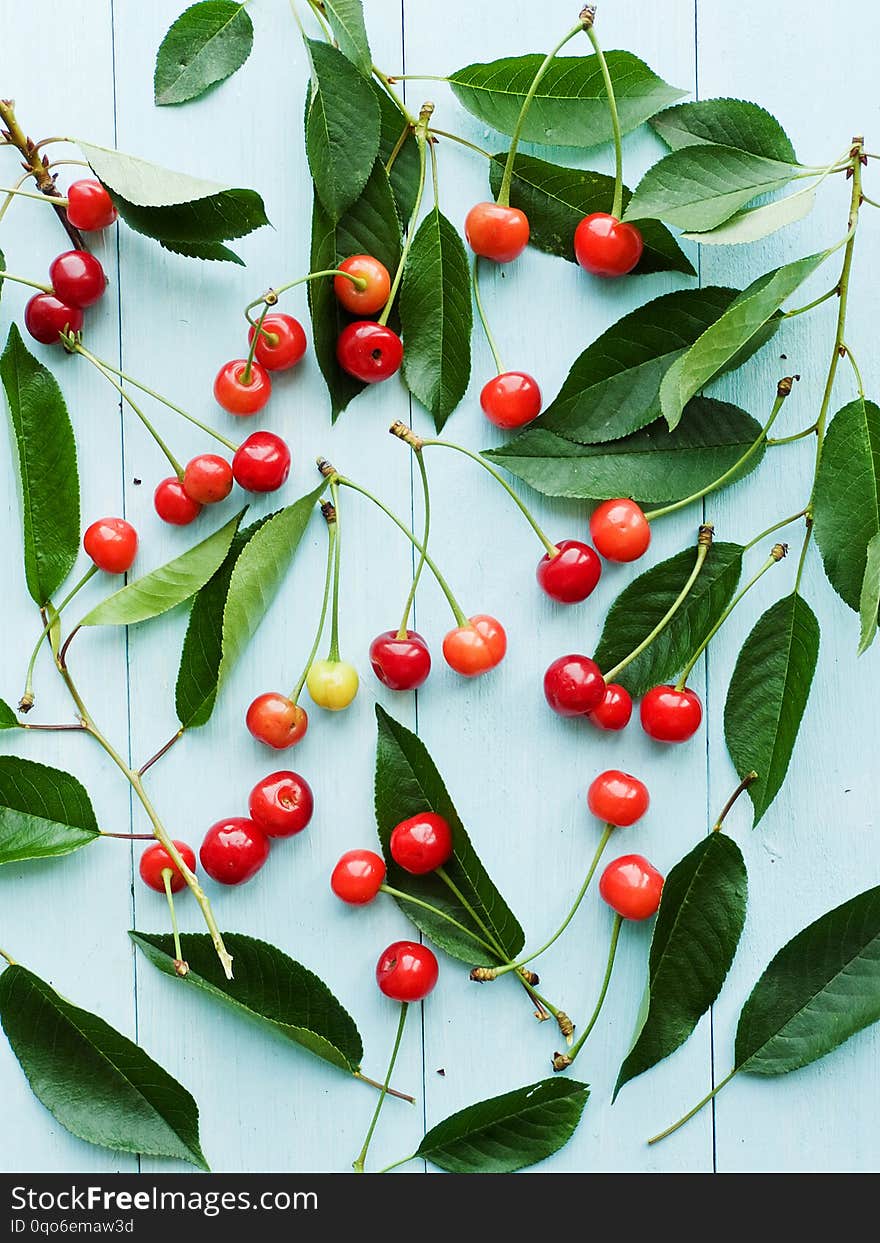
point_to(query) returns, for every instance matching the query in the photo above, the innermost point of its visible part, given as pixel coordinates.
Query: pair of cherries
(630, 885)
(261, 463)
(274, 719)
(574, 686)
(367, 350)
(403, 662)
(603, 245)
(243, 386)
(420, 844)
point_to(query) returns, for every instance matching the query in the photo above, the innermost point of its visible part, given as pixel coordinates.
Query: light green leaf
(8, 719)
(342, 129)
(205, 45)
(846, 504)
(44, 811)
(870, 601)
(758, 222)
(728, 123)
(346, 18)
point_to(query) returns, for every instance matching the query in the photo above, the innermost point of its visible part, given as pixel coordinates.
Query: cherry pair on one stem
(235, 849)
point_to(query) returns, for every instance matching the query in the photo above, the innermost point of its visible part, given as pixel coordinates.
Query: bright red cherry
(77, 278)
(572, 574)
(46, 317)
(407, 971)
(573, 685)
(422, 843)
(477, 647)
(632, 886)
(155, 860)
(173, 505)
(112, 543)
(615, 710)
(239, 396)
(496, 232)
(605, 246)
(671, 715)
(234, 850)
(207, 479)
(401, 664)
(89, 206)
(363, 301)
(618, 798)
(620, 530)
(276, 720)
(357, 877)
(284, 345)
(511, 399)
(369, 351)
(261, 463)
(281, 804)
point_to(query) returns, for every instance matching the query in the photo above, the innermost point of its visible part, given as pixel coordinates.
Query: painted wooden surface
(518, 774)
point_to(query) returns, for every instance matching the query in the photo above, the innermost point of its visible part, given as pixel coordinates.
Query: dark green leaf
(210, 251)
(699, 924)
(408, 782)
(43, 811)
(2, 269)
(346, 18)
(206, 44)
(768, 694)
(404, 173)
(46, 456)
(870, 601)
(269, 987)
(642, 605)
(96, 1082)
(846, 505)
(8, 719)
(342, 129)
(728, 123)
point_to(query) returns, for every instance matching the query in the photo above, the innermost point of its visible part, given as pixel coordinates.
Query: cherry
(46, 317)
(477, 647)
(276, 720)
(234, 850)
(238, 396)
(261, 463)
(281, 804)
(363, 301)
(605, 246)
(77, 278)
(632, 887)
(173, 505)
(155, 860)
(615, 710)
(511, 399)
(207, 479)
(618, 798)
(112, 544)
(422, 843)
(284, 347)
(671, 715)
(357, 876)
(369, 351)
(407, 971)
(496, 232)
(573, 685)
(400, 664)
(89, 206)
(332, 684)
(572, 574)
(620, 530)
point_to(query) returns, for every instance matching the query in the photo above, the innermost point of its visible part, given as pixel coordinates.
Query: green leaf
(508, 1132)
(342, 129)
(270, 987)
(642, 605)
(768, 694)
(556, 199)
(870, 601)
(435, 314)
(8, 719)
(346, 18)
(2, 269)
(163, 589)
(654, 464)
(96, 1082)
(209, 251)
(570, 108)
(46, 456)
(207, 43)
(846, 504)
(758, 222)
(728, 123)
(408, 782)
(820, 989)
(699, 924)
(405, 170)
(44, 812)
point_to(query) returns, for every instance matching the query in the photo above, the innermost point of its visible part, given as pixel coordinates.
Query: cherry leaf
(758, 222)
(846, 505)
(342, 129)
(204, 46)
(346, 18)
(8, 719)
(728, 123)
(44, 812)
(870, 598)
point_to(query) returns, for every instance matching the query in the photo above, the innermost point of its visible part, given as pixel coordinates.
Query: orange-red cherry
(277, 721)
(671, 715)
(239, 394)
(632, 887)
(618, 798)
(207, 479)
(422, 843)
(477, 647)
(620, 530)
(282, 342)
(511, 399)
(358, 876)
(496, 232)
(605, 246)
(373, 296)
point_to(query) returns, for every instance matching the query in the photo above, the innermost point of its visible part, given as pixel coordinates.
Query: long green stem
(481, 923)
(172, 460)
(789, 440)
(462, 142)
(481, 311)
(692, 1112)
(393, 95)
(6, 957)
(810, 306)
(435, 910)
(617, 202)
(271, 296)
(426, 532)
(337, 568)
(374, 1083)
(252, 349)
(328, 578)
(23, 280)
(360, 1160)
(167, 874)
(777, 526)
(568, 1058)
(28, 696)
(422, 141)
(34, 194)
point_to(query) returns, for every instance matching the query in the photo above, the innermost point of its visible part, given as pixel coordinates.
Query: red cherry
(207, 479)
(511, 399)
(573, 685)
(400, 664)
(276, 720)
(285, 345)
(477, 647)
(370, 352)
(234, 850)
(620, 530)
(261, 463)
(422, 843)
(77, 278)
(407, 971)
(363, 301)
(173, 505)
(281, 804)
(237, 396)
(89, 206)
(155, 860)
(618, 798)
(615, 710)
(496, 232)
(632, 887)
(572, 574)
(357, 877)
(605, 246)
(46, 317)
(671, 715)
(112, 544)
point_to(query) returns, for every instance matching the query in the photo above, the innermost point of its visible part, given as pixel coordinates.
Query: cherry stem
(22, 280)
(337, 567)
(655, 1139)
(172, 460)
(740, 789)
(777, 526)
(398, 147)
(475, 280)
(247, 374)
(481, 924)
(421, 128)
(374, 1083)
(7, 958)
(330, 516)
(271, 296)
(393, 95)
(617, 202)
(603, 991)
(34, 194)
(802, 310)
(788, 440)
(358, 1163)
(462, 142)
(426, 531)
(28, 696)
(167, 874)
(163, 750)
(35, 167)
(435, 910)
